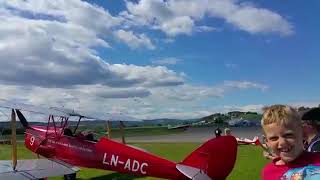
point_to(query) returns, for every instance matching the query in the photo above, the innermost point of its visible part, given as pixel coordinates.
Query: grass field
(248, 165)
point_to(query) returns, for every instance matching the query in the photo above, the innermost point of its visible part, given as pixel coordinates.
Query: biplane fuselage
(104, 154)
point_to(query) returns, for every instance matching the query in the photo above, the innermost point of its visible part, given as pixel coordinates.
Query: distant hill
(221, 118)
(166, 121)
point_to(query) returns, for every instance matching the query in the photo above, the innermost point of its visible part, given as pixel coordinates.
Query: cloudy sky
(160, 58)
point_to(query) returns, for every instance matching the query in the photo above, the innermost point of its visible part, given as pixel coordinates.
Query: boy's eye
(273, 138)
(288, 135)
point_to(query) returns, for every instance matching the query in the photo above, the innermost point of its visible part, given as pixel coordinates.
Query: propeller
(13, 140)
(22, 119)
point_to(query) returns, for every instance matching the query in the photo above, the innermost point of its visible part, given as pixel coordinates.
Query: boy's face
(307, 129)
(284, 140)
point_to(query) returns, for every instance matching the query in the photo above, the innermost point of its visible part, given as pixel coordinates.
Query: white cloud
(51, 53)
(309, 104)
(181, 114)
(175, 17)
(48, 57)
(166, 61)
(255, 20)
(92, 18)
(74, 11)
(245, 85)
(205, 29)
(108, 92)
(133, 40)
(245, 108)
(193, 93)
(185, 101)
(189, 93)
(177, 25)
(247, 17)
(147, 76)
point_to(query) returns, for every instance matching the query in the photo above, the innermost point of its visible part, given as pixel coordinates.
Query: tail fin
(256, 141)
(215, 158)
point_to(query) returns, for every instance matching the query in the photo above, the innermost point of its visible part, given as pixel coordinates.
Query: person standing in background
(218, 132)
(227, 132)
(310, 127)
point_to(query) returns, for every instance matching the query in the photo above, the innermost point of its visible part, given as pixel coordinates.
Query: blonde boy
(283, 132)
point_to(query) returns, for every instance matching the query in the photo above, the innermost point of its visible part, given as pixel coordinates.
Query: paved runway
(197, 135)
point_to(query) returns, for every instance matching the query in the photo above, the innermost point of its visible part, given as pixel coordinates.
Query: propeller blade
(22, 119)
(13, 140)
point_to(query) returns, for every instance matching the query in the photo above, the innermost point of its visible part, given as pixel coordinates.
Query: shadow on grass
(114, 176)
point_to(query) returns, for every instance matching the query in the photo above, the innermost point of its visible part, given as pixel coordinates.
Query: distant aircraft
(241, 123)
(254, 141)
(213, 160)
(181, 126)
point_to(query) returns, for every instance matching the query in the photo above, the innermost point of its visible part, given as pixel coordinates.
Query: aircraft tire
(70, 176)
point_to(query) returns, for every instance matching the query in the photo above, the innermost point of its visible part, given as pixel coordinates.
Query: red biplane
(212, 160)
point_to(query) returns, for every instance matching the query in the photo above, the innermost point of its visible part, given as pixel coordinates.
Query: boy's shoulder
(273, 171)
(307, 158)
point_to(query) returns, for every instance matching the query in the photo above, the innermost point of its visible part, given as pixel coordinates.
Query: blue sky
(155, 59)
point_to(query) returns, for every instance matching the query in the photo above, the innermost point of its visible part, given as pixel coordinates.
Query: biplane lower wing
(35, 169)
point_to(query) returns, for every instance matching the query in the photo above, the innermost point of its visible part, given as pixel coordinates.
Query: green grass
(8, 136)
(248, 165)
(23, 153)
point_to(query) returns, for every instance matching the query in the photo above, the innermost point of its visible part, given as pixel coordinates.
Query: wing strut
(75, 129)
(122, 132)
(109, 129)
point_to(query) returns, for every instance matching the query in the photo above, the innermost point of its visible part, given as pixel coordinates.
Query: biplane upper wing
(65, 112)
(35, 169)
(102, 117)
(31, 108)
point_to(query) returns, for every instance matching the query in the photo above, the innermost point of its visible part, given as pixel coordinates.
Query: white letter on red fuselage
(143, 171)
(114, 160)
(127, 165)
(104, 159)
(135, 166)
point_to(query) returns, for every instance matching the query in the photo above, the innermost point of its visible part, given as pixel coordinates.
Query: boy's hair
(280, 114)
(311, 117)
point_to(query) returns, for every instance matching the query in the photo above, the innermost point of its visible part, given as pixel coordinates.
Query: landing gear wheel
(70, 176)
